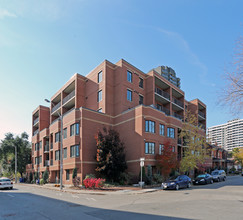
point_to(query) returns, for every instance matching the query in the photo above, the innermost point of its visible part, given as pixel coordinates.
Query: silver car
(218, 175)
(6, 183)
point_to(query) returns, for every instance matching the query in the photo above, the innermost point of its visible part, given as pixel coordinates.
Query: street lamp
(61, 159)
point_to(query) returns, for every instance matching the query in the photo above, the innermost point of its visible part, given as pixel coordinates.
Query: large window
(161, 130)
(65, 153)
(74, 151)
(149, 148)
(140, 82)
(40, 145)
(57, 137)
(40, 159)
(171, 132)
(140, 99)
(57, 155)
(161, 149)
(99, 76)
(74, 129)
(64, 133)
(150, 126)
(36, 146)
(99, 96)
(129, 76)
(129, 95)
(67, 174)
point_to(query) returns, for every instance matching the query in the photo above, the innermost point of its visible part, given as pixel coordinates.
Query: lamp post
(61, 156)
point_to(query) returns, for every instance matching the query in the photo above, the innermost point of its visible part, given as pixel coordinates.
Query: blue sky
(43, 43)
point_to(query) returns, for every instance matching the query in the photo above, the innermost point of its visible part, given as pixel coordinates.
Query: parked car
(6, 183)
(242, 173)
(203, 179)
(218, 175)
(178, 182)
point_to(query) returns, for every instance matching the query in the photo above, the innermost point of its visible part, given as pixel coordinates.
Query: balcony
(162, 93)
(179, 141)
(178, 116)
(68, 97)
(36, 121)
(57, 106)
(47, 163)
(51, 146)
(202, 126)
(201, 114)
(163, 109)
(36, 132)
(46, 148)
(51, 162)
(178, 102)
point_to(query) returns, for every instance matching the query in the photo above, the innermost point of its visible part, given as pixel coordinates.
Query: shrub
(45, 176)
(42, 182)
(93, 183)
(75, 171)
(88, 176)
(158, 178)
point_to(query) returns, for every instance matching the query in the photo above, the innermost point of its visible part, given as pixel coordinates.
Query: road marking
(91, 199)
(75, 196)
(10, 195)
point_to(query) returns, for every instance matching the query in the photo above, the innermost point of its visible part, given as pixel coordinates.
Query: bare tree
(232, 93)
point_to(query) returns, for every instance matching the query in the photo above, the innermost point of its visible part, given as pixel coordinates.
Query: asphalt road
(222, 200)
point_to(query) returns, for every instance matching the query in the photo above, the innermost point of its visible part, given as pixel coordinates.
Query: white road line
(91, 199)
(75, 196)
(10, 195)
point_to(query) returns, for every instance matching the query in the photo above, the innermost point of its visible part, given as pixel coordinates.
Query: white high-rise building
(228, 135)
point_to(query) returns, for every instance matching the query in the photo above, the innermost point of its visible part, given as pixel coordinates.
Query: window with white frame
(74, 129)
(149, 126)
(149, 147)
(129, 95)
(74, 151)
(161, 149)
(99, 96)
(129, 76)
(99, 76)
(161, 130)
(171, 132)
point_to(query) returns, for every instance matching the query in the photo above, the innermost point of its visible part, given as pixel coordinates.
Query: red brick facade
(153, 98)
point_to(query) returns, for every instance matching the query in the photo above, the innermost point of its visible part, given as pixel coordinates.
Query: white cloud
(5, 13)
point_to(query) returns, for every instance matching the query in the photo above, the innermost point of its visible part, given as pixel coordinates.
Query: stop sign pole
(142, 159)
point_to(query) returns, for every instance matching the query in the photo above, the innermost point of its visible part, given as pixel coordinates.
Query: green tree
(238, 155)
(110, 157)
(45, 176)
(7, 158)
(195, 150)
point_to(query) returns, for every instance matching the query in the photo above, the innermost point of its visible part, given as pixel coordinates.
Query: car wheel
(177, 187)
(224, 178)
(218, 180)
(211, 181)
(189, 185)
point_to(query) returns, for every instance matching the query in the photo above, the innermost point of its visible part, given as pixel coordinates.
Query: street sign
(142, 159)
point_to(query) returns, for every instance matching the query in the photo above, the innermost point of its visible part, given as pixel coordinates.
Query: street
(223, 200)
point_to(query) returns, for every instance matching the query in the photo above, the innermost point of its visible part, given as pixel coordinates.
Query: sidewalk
(120, 190)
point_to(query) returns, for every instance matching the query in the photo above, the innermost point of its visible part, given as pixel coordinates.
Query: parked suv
(218, 175)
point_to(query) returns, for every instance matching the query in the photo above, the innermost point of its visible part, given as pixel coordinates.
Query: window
(57, 137)
(140, 99)
(171, 132)
(74, 129)
(67, 174)
(173, 149)
(74, 151)
(99, 96)
(161, 130)
(40, 145)
(36, 146)
(57, 155)
(149, 148)
(99, 76)
(161, 149)
(64, 133)
(36, 160)
(65, 153)
(129, 95)
(100, 110)
(140, 82)
(40, 159)
(150, 126)
(129, 76)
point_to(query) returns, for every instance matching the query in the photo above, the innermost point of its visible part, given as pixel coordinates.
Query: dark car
(203, 179)
(178, 182)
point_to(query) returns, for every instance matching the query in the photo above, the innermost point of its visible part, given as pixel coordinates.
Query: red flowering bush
(93, 183)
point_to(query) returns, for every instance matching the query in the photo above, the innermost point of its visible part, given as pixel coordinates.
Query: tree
(45, 176)
(232, 93)
(8, 152)
(110, 156)
(167, 161)
(195, 151)
(238, 155)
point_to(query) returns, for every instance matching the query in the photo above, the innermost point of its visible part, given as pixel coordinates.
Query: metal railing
(57, 106)
(178, 102)
(35, 121)
(201, 114)
(51, 162)
(163, 109)
(36, 132)
(69, 96)
(177, 116)
(162, 93)
(202, 126)
(46, 148)
(179, 141)
(51, 146)
(47, 163)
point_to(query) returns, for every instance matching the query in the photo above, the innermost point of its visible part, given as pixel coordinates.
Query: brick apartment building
(146, 109)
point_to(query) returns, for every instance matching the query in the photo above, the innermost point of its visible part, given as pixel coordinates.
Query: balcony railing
(46, 148)
(51, 146)
(202, 126)
(57, 106)
(177, 116)
(179, 141)
(178, 102)
(163, 109)
(162, 93)
(51, 162)
(69, 96)
(201, 114)
(47, 163)
(35, 121)
(36, 132)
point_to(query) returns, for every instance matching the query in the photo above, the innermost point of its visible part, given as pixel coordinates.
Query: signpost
(142, 159)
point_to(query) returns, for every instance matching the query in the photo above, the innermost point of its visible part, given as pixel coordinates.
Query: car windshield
(201, 176)
(174, 178)
(215, 173)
